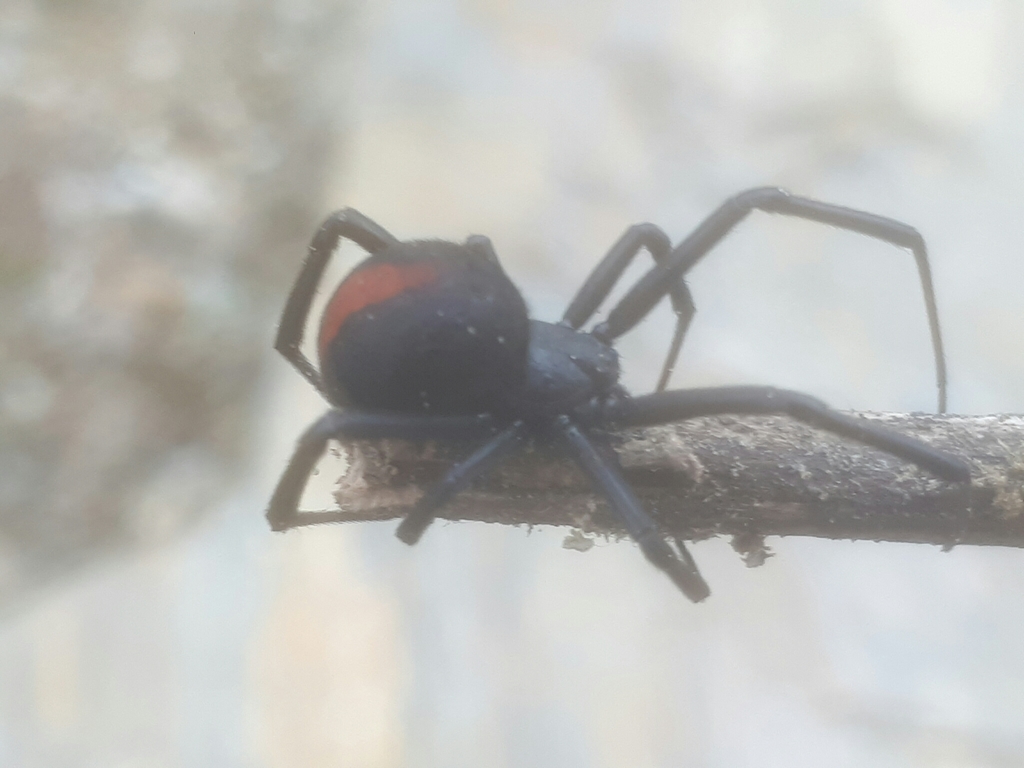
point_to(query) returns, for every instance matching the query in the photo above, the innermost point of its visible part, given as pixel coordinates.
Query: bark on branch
(746, 477)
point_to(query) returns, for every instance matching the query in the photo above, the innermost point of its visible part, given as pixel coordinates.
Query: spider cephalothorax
(430, 340)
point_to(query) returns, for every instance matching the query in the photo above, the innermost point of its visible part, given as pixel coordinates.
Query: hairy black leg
(630, 512)
(283, 512)
(344, 223)
(458, 477)
(678, 405)
(664, 276)
(598, 285)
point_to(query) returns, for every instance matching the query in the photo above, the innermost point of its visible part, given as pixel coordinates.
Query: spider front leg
(665, 275)
(630, 512)
(606, 274)
(344, 223)
(682, 404)
(482, 460)
(283, 512)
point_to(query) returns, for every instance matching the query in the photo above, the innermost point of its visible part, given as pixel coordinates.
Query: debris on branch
(745, 477)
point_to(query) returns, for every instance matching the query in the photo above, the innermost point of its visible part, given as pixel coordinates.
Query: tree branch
(746, 477)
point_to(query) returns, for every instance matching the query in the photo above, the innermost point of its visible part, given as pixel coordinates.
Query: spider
(430, 340)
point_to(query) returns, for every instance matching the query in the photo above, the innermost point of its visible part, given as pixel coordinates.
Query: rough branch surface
(746, 477)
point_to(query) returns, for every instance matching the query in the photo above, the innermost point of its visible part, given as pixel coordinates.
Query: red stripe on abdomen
(366, 287)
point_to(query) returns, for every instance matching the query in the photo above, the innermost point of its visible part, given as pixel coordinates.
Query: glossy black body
(455, 357)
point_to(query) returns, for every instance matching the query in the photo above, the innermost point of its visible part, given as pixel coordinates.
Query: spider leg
(664, 276)
(598, 285)
(685, 310)
(602, 279)
(630, 512)
(344, 223)
(681, 404)
(283, 512)
(458, 477)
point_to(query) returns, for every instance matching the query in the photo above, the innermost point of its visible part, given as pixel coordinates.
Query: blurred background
(163, 164)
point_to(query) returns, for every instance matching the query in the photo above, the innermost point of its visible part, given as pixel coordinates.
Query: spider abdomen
(426, 327)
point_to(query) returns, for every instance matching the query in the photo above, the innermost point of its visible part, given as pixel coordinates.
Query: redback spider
(430, 340)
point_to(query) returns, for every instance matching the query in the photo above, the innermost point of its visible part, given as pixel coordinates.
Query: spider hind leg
(346, 223)
(283, 512)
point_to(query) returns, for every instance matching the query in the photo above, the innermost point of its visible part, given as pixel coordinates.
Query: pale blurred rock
(161, 168)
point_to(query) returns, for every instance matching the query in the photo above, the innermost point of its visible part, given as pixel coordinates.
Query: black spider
(430, 340)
